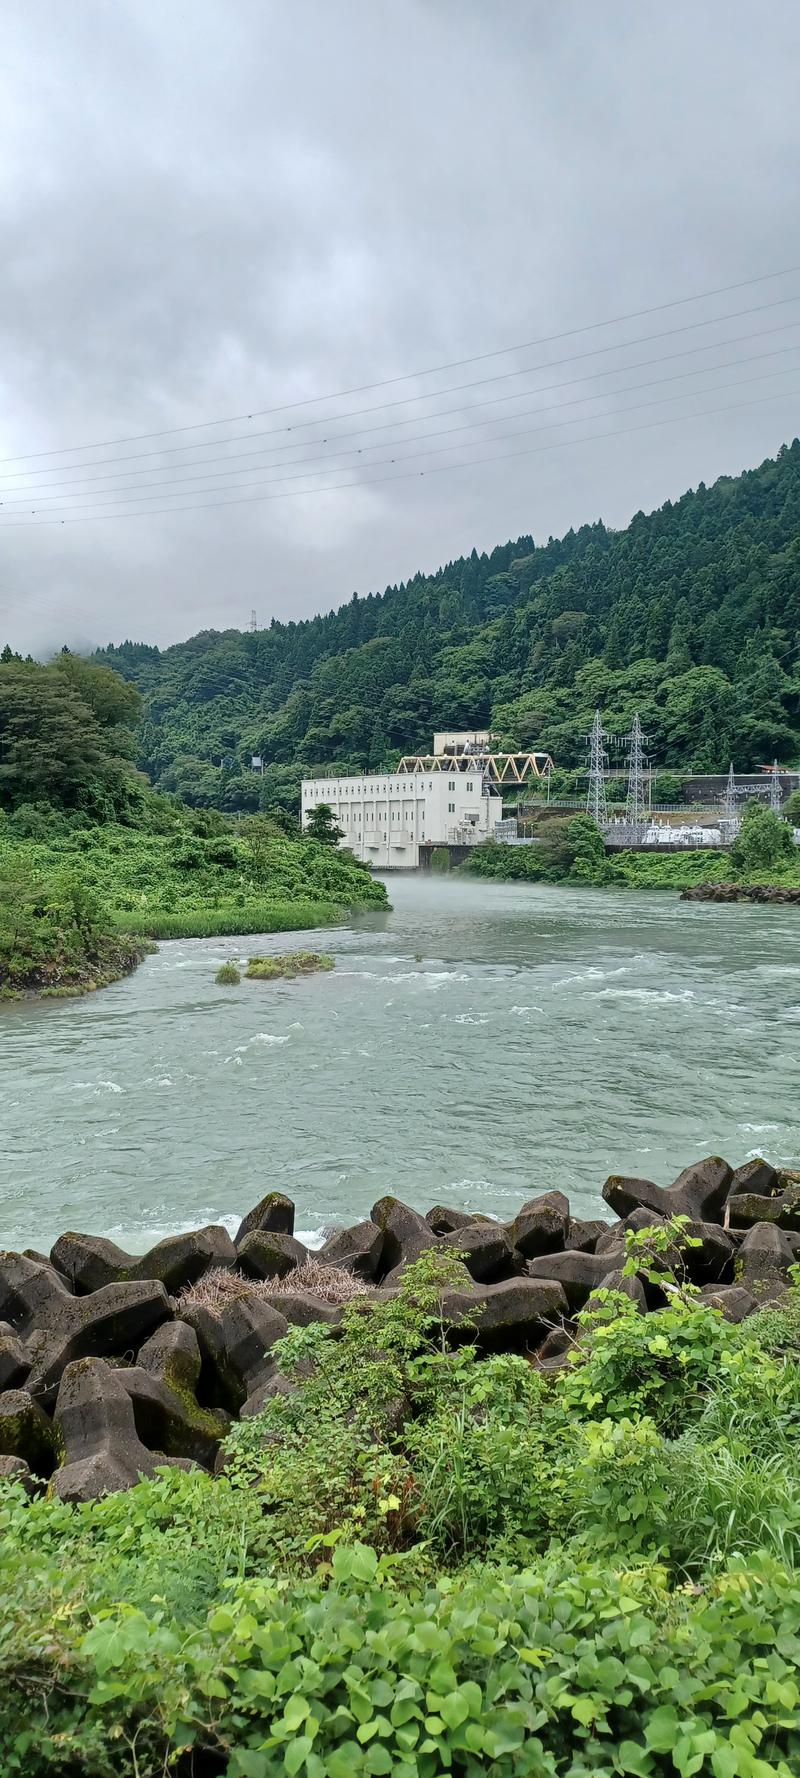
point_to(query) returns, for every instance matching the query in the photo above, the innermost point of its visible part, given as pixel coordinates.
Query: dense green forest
(690, 615)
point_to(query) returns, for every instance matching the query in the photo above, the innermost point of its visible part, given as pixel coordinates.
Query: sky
(235, 207)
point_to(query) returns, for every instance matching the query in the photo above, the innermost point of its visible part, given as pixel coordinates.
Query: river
(480, 1043)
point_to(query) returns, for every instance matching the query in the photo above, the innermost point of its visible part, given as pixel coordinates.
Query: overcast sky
(212, 208)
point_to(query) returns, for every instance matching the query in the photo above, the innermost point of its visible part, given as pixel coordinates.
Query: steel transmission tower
(598, 764)
(729, 799)
(775, 788)
(636, 803)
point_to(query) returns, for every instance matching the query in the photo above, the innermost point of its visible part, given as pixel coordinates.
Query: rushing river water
(482, 1042)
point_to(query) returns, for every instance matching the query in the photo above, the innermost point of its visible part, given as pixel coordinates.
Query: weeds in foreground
(421, 1559)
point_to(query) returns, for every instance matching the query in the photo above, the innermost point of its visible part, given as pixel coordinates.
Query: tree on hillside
(59, 748)
(764, 841)
(114, 702)
(321, 826)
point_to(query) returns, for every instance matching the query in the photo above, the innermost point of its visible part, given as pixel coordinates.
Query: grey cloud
(209, 209)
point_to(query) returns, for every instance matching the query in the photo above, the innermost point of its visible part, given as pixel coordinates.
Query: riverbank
(562, 1531)
(582, 859)
(774, 894)
(80, 909)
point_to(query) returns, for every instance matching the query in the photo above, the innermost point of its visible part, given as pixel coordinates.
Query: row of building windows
(326, 787)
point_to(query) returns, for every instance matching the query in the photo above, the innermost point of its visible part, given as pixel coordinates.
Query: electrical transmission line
(430, 370)
(84, 517)
(80, 486)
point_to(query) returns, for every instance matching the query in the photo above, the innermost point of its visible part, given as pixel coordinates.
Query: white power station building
(386, 816)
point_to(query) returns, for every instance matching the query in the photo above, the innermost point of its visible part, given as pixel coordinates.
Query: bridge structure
(497, 768)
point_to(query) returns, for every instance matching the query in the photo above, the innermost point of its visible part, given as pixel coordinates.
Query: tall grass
(255, 916)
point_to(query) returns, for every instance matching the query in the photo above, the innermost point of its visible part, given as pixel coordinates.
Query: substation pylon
(596, 804)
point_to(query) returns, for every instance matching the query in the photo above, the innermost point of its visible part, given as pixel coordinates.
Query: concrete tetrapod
(88, 1261)
(699, 1192)
(96, 1427)
(58, 1328)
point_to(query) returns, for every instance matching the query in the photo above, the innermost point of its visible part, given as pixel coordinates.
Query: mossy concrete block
(512, 1314)
(14, 1360)
(763, 1262)
(301, 1308)
(172, 1420)
(26, 1431)
(583, 1236)
(235, 1342)
(15, 1469)
(30, 1291)
(757, 1177)
(486, 1250)
(113, 1321)
(406, 1234)
(266, 1253)
(96, 1428)
(578, 1274)
(358, 1250)
(444, 1220)
(699, 1192)
(732, 1300)
(746, 1209)
(541, 1225)
(274, 1212)
(89, 1261)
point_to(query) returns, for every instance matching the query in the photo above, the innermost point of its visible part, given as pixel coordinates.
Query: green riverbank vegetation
(419, 1559)
(570, 849)
(93, 865)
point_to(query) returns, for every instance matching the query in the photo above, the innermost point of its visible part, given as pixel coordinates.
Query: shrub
(228, 975)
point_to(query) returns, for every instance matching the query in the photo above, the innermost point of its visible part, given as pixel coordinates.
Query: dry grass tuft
(332, 1284)
(217, 1287)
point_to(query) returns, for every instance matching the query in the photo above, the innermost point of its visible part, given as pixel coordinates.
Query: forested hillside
(691, 615)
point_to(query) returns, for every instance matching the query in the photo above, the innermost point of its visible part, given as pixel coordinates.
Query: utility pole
(775, 798)
(253, 621)
(636, 803)
(598, 763)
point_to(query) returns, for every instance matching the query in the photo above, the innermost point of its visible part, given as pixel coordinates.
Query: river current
(480, 1043)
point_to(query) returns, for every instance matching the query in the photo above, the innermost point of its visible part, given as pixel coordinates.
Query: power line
(73, 483)
(409, 376)
(529, 370)
(406, 475)
(301, 473)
